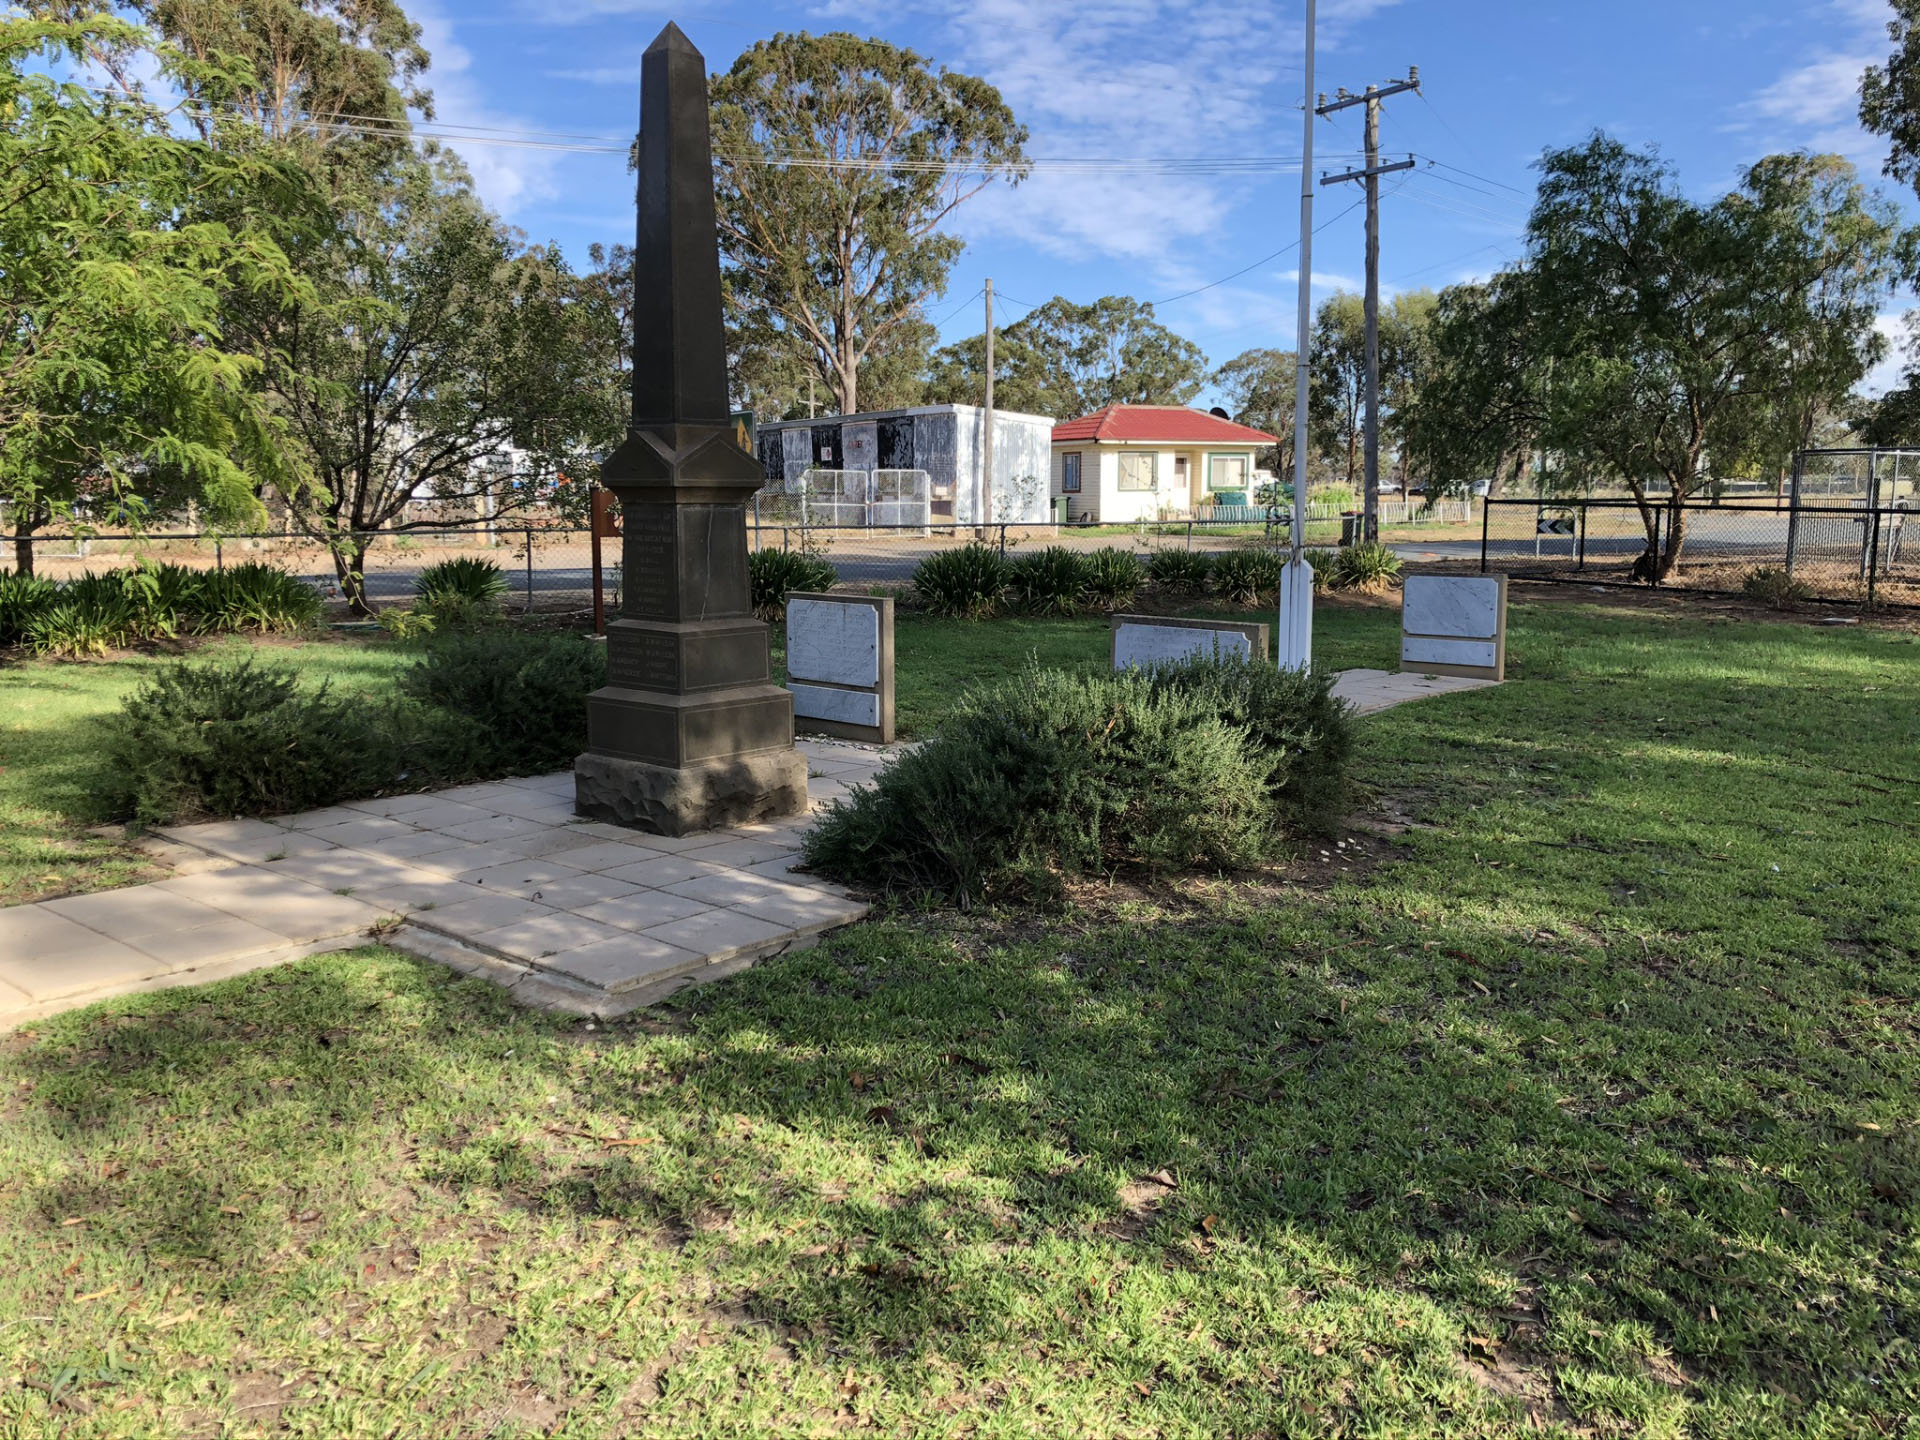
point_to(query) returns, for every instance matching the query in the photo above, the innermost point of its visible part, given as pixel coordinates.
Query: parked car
(1480, 487)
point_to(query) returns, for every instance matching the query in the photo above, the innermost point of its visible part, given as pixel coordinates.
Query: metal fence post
(219, 561)
(1793, 512)
(1189, 534)
(1580, 522)
(1873, 555)
(1486, 514)
(529, 535)
(1003, 539)
(1654, 577)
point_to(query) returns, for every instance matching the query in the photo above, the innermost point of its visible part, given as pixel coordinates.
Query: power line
(1263, 260)
(958, 308)
(1471, 175)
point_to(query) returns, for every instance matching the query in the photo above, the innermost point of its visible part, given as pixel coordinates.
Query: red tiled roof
(1175, 424)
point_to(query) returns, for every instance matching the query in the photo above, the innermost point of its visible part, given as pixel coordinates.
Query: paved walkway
(499, 880)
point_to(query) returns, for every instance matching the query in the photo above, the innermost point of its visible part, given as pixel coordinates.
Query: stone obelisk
(689, 734)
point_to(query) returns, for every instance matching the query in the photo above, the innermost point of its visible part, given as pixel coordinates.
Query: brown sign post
(690, 733)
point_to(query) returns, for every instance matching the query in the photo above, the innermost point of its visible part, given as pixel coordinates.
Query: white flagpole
(1296, 579)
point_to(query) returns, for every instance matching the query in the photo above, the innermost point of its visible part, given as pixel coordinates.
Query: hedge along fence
(975, 581)
(148, 602)
(1212, 764)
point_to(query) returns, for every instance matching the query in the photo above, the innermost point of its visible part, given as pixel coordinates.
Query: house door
(1182, 481)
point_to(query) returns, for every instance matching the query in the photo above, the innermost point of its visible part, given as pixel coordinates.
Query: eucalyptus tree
(1065, 359)
(837, 164)
(1681, 332)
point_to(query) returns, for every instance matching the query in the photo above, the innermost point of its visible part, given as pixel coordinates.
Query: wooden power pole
(1370, 507)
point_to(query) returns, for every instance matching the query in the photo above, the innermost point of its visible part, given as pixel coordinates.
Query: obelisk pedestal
(690, 733)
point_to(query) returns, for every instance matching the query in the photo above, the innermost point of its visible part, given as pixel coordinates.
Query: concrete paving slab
(738, 854)
(546, 935)
(520, 877)
(644, 909)
(473, 917)
(285, 904)
(660, 871)
(620, 966)
(45, 955)
(718, 934)
(464, 855)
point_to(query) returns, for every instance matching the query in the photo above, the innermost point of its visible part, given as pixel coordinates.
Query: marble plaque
(842, 707)
(1462, 605)
(1434, 650)
(1146, 645)
(835, 642)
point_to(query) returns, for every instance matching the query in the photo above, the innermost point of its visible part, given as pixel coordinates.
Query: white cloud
(509, 179)
(1133, 77)
(1815, 105)
(1824, 91)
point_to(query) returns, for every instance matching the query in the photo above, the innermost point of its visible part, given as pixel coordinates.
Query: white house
(1143, 462)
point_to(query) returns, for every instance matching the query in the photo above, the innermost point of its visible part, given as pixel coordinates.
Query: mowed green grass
(1584, 1106)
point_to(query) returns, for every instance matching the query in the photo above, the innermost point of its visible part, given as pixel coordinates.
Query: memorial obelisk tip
(680, 351)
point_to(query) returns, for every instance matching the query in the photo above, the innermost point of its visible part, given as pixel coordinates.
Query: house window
(1070, 473)
(1139, 472)
(1227, 472)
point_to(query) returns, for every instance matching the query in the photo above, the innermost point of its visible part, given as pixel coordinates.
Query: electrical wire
(1263, 260)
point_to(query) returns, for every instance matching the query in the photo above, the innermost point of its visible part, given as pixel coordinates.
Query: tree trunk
(1676, 536)
(23, 550)
(349, 564)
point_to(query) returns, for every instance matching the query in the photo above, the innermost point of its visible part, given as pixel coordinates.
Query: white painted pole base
(1296, 615)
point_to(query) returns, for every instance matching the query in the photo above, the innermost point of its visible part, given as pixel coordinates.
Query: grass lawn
(1585, 1104)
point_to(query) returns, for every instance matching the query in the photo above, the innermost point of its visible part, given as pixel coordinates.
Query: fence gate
(901, 498)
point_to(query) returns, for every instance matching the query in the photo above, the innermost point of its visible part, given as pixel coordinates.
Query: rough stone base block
(709, 795)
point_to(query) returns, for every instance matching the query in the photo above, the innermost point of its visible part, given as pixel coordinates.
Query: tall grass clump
(1114, 577)
(1052, 581)
(1052, 775)
(1179, 572)
(1366, 566)
(470, 577)
(1248, 577)
(21, 598)
(965, 583)
(775, 574)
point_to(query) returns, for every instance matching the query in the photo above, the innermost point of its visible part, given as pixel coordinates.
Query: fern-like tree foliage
(117, 373)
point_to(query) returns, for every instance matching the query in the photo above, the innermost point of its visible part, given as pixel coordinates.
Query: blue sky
(1715, 83)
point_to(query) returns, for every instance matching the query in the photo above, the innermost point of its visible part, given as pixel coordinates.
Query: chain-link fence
(1825, 550)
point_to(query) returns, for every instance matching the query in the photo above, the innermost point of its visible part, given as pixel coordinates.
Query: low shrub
(475, 579)
(89, 616)
(258, 597)
(449, 611)
(151, 601)
(1366, 566)
(1248, 577)
(1774, 587)
(966, 583)
(232, 738)
(1114, 577)
(520, 698)
(775, 574)
(1052, 775)
(405, 624)
(1179, 572)
(21, 598)
(1052, 581)
(243, 739)
(1323, 562)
